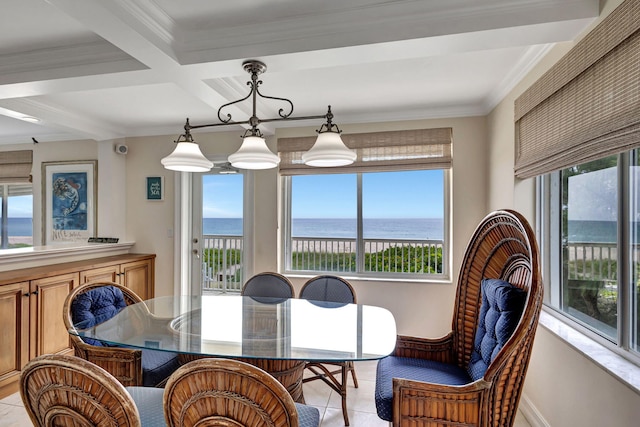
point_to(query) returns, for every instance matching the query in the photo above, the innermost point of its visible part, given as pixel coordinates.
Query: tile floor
(362, 411)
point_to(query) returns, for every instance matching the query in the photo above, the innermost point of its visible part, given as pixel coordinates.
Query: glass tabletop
(251, 327)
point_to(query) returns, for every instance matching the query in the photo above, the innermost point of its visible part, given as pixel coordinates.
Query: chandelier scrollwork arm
(255, 68)
(280, 111)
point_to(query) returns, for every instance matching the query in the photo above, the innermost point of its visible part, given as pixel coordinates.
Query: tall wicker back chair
(231, 393)
(452, 380)
(268, 285)
(65, 391)
(132, 367)
(331, 288)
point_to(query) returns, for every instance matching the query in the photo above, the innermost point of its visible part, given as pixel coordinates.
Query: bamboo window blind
(376, 151)
(587, 106)
(15, 166)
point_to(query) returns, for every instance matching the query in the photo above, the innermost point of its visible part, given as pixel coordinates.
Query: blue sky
(412, 194)
(222, 196)
(20, 207)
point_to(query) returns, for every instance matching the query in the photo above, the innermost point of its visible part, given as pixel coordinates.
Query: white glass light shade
(329, 151)
(254, 154)
(187, 157)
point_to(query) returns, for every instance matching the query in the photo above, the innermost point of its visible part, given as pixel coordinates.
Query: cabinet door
(14, 333)
(46, 302)
(109, 273)
(139, 277)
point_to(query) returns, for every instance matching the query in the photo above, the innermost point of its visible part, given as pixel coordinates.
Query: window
(16, 215)
(593, 241)
(369, 224)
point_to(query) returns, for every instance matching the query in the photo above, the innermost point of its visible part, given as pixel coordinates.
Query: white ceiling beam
(54, 117)
(120, 27)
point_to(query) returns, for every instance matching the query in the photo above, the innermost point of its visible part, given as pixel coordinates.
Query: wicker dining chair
(66, 391)
(329, 288)
(231, 393)
(96, 302)
(268, 285)
(474, 375)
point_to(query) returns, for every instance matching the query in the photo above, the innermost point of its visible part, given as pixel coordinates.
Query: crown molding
(529, 60)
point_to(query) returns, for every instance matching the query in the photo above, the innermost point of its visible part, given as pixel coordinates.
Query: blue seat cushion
(157, 366)
(500, 312)
(148, 400)
(94, 307)
(412, 369)
(308, 416)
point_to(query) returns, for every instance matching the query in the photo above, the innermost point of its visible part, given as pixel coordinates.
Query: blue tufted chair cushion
(308, 416)
(500, 312)
(96, 306)
(412, 369)
(157, 365)
(148, 400)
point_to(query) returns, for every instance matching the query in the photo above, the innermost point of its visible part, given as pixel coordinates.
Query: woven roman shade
(19, 190)
(15, 166)
(587, 106)
(377, 152)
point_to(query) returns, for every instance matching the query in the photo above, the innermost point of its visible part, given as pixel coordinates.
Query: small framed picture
(155, 188)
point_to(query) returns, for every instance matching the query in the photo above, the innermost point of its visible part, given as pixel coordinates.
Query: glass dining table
(277, 335)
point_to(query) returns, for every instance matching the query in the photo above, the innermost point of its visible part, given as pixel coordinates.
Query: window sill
(620, 368)
(12, 258)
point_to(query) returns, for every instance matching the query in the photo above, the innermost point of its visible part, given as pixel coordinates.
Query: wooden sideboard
(31, 301)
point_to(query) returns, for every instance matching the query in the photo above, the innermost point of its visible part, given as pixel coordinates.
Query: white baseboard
(531, 413)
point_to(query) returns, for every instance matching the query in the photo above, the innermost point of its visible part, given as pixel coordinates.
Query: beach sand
(21, 239)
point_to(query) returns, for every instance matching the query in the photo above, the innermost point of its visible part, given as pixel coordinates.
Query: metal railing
(592, 261)
(380, 255)
(222, 258)
(222, 263)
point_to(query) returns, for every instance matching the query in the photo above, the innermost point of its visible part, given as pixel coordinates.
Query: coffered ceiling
(106, 69)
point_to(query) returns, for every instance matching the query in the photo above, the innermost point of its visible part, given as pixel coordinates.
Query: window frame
(549, 230)
(286, 247)
(4, 224)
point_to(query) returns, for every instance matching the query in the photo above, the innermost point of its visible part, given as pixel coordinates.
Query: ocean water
(596, 231)
(378, 228)
(374, 228)
(20, 226)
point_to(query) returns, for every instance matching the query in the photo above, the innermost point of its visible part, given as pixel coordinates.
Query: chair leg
(343, 392)
(352, 368)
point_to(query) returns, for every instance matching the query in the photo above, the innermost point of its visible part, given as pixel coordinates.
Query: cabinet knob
(26, 295)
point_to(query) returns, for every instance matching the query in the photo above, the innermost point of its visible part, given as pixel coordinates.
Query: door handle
(196, 253)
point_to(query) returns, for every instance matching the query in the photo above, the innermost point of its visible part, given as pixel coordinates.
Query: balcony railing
(222, 258)
(222, 263)
(593, 261)
(380, 255)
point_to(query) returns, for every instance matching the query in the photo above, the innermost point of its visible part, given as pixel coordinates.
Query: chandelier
(327, 151)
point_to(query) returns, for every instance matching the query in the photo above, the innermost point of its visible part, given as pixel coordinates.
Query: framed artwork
(69, 196)
(155, 188)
